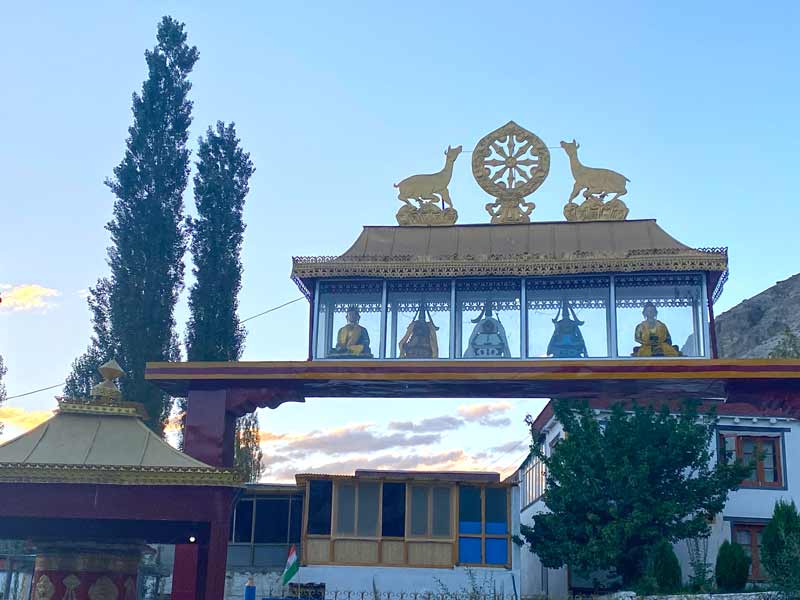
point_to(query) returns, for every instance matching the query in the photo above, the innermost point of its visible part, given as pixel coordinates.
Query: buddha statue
(420, 338)
(352, 341)
(567, 339)
(488, 339)
(653, 335)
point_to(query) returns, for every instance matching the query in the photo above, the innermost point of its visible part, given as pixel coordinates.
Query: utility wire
(44, 389)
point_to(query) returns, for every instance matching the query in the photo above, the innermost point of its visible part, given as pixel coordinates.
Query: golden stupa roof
(526, 249)
(102, 441)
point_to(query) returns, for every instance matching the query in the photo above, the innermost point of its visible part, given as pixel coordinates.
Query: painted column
(86, 571)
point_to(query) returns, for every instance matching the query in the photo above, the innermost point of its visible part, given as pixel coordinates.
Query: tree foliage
(147, 231)
(780, 546)
(616, 488)
(214, 331)
(665, 568)
(788, 346)
(732, 568)
(85, 372)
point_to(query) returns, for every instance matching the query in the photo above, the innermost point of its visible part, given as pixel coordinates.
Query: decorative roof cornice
(92, 407)
(519, 265)
(117, 475)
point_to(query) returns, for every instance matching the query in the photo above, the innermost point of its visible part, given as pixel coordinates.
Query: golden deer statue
(431, 187)
(596, 182)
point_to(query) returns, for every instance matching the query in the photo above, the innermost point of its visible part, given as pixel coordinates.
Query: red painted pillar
(199, 570)
(209, 428)
(184, 572)
(210, 577)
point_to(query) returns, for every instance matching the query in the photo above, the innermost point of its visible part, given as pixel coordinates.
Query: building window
(748, 536)
(533, 481)
(762, 453)
(483, 529)
(430, 511)
(262, 529)
(393, 511)
(319, 507)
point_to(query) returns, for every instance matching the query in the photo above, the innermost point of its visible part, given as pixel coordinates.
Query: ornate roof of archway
(528, 249)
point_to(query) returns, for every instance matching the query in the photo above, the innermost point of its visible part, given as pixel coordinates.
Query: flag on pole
(292, 566)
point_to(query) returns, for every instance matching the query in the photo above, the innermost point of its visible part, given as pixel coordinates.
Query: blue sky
(696, 103)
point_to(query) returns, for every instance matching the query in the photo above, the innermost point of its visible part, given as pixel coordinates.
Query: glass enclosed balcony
(648, 315)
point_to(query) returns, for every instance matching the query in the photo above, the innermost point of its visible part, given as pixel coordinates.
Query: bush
(780, 546)
(732, 568)
(665, 568)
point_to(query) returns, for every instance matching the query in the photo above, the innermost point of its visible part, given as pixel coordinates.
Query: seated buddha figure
(653, 335)
(567, 339)
(420, 338)
(352, 341)
(488, 339)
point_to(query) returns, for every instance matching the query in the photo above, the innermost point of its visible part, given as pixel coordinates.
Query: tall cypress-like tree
(147, 232)
(214, 331)
(85, 372)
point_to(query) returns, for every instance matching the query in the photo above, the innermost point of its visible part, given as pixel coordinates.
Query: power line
(50, 387)
(36, 391)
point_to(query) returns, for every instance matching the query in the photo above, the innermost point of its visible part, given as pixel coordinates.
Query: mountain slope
(752, 328)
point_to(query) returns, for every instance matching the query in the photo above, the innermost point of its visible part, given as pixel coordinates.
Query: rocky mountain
(752, 328)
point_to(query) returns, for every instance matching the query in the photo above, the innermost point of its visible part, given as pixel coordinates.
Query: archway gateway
(218, 393)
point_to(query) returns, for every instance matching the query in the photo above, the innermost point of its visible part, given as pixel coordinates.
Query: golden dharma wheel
(510, 161)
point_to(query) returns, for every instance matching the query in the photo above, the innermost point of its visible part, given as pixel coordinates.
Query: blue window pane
(469, 550)
(496, 503)
(496, 551)
(469, 509)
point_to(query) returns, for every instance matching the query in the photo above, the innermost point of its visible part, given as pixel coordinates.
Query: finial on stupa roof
(107, 389)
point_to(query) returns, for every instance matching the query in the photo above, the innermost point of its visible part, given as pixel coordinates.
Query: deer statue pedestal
(427, 214)
(594, 209)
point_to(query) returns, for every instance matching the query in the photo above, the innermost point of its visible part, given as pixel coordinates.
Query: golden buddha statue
(352, 340)
(488, 339)
(420, 338)
(653, 335)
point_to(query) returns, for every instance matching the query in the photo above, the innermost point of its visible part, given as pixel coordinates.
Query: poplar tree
(147, 231)
(214, 331)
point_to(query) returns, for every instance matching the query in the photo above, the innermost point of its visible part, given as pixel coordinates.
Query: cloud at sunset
(487, 414)
(17, 420)
(26, 297)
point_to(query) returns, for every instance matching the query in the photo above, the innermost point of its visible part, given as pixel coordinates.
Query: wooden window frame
(335, 535)
(429, 536)
(483, 536)
(756, 574)
(759, 481)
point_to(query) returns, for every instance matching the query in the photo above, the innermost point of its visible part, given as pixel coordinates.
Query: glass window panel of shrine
(488, 318)
(349, 319)
(660, 315)
(568, 317)
(418, 317)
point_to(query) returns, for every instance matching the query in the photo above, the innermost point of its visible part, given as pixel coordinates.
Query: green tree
(732, 568)
(787, 347)
(780, 546)
(616, 488)
(214, 331)
(147, 232)
(85, 372)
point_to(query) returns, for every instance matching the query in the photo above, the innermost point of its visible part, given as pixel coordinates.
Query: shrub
(665, 568)
(732, 568)
(780, 546)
